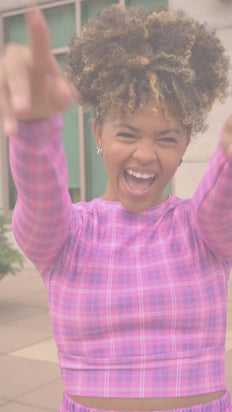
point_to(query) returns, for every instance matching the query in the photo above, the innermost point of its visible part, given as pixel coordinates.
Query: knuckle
(3, 78)
(15, 53)
(5, 108)
(11, 49)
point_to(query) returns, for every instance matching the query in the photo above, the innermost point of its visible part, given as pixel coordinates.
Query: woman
(137, 280)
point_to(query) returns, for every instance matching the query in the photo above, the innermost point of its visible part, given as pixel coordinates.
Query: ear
(97, 131)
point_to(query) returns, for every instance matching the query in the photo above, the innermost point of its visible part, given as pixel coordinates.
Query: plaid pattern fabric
(137, 301)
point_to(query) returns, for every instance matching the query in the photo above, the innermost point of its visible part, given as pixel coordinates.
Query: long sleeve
(212, 206)
(42, 215)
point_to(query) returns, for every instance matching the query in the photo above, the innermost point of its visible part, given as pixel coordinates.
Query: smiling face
(141, 154)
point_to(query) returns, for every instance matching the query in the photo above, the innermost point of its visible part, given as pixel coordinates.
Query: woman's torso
(133, 304)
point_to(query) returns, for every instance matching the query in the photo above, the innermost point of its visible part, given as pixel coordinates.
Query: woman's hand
(32, 85)
(226, 140)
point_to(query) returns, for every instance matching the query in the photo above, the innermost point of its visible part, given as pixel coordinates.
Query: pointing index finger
(39, 38)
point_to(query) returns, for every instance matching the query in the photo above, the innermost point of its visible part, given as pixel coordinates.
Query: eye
(126, 135)
(168, 140)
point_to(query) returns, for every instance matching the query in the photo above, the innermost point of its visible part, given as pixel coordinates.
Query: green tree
(11, 260)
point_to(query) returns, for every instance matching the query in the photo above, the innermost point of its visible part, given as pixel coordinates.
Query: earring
(99, 150)
(181, 161)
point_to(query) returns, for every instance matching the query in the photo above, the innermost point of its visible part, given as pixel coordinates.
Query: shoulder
(178, 216)
(89, 213)
(98, 211)
(178, 206)
(83, 210)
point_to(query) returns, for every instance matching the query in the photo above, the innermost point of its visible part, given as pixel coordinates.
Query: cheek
(170, 157)
(114, 159)
(112, 165)
(171, 166)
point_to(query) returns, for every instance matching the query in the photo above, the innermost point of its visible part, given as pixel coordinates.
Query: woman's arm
(32, 88)
(212, 202)
(41, 218)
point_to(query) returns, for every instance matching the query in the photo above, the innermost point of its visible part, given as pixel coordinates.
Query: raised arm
(212, 202)
(33, 90)
(41, 218)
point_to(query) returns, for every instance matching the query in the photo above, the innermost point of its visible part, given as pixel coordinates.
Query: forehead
(149, 115)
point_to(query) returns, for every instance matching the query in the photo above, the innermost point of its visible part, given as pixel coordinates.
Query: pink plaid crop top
(137, 301)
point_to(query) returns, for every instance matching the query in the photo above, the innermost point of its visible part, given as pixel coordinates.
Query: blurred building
(217, 14)
(87, 176)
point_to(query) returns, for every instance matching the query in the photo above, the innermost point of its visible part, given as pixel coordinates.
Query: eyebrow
(128, 126)
(163, 132)
(174, 130)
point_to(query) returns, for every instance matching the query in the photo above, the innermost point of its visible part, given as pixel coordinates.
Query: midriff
(145, 404)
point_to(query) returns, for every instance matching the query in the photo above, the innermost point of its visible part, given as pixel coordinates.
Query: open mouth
(137, 181)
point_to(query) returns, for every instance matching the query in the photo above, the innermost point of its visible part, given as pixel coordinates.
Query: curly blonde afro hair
(127, 56)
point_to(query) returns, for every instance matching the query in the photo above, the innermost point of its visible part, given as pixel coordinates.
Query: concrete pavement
(30, 378)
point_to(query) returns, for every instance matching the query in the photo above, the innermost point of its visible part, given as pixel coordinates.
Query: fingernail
(32, 10)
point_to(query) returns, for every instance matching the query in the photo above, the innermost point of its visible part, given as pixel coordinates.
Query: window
(62, 24)
(148, 3)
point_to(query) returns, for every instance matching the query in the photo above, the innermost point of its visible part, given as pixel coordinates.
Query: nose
(145, 152)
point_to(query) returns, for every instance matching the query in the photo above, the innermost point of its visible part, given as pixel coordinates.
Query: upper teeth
(140, 175)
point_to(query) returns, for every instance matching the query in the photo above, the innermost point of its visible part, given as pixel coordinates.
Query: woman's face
(141, 154)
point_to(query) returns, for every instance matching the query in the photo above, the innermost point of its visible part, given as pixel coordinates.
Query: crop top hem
(146, 377)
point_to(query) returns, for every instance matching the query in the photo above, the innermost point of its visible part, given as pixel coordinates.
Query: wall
(217, 14)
